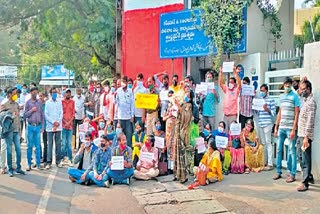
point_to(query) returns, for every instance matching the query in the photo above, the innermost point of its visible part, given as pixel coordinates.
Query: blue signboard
(56, 72)
(181, 35)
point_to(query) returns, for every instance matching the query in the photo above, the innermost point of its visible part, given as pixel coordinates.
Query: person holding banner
(232, 91)
(246, 98)
(151, 115)
(148, 169)
(253, 150)
(236, 148)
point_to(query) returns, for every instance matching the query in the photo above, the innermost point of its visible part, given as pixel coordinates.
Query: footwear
(20, 171)
(112, 182)
(276, 177)
(72, 179)
(302, 188)
(59, 165)
(290, 179)
(28, 168)
(3, 171)
(107, 183)
(247, 171)
(39, 168)
(268, 168)
(10, 173)
(70, 163)
(311, 180)
(183, 181)
(127, 181)
(48, 167)
(34, 165)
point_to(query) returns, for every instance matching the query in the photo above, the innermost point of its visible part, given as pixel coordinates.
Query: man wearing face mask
(164, 100)
(84, 158)
(175, 86)
(53, 115)
(104, 105)
(285, 128)
(79, 116)
(22, 100)
(125, 102)
(68, 107)
(13, 137)
(245, 105)
(139, 89)
(35, 119)
(110, 101)
(232, 91)
(90, 101)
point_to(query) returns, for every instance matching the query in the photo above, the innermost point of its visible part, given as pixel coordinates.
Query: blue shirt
(53, 113)
(101, 160)
(265, 118)
(288, 103)
(209, 104)
(125, 102)
(217, 133)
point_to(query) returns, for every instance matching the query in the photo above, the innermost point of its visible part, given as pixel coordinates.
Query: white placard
(200, 145)
(235, 129)
(221, 142)
(100, 133)
(146, 156)
(159, 142)
(84, 127)
(90, 113)
(247, 90)
(117, 163)
(201, 89)
(258, 103)
(97, 141)
(227, 67)
(82, 136)
(210, 86)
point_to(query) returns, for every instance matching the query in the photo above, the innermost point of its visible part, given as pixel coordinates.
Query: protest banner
(117, 163)
(221, 142)
(146, 101)
(227, 67)
(159, 142)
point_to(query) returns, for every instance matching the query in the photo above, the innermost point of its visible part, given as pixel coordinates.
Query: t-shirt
(288, 102)
(230, 105)
(209, 104)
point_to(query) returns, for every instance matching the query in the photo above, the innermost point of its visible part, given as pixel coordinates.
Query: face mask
(287, 89)
(91, 89)
(87, 144)
(262, 94)
(98, 90)
(122, 146)
(24, 90)
(231, 85)
(34, 96)
(101, 125)
(147, 144)
(118, 131)
(186, 99)
(296, 86)
(91, 129)
(109, 128)
(113, 90)
(138, 131)
(14, 97)
(150, 87)
(102, 145)
(206, 132)
(54, 96)
(304, 94)
(166, 84)
(174, 83)
(220, 129)
(209, 80)
(106, 89)
(123, 85)
(158, 127)
(130, 86)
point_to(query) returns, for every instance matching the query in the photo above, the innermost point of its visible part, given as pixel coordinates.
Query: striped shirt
(288, 103)
(307, 118)
(246, 105)
(265, 118)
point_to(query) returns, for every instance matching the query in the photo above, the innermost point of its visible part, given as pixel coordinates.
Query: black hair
(252, 124)
(51, 89)
(212, 143)
(25, 85)
(247, 79)
(88, 134)
(265, 86)
(234, 79)
(224, 124)
(130, 80)
(33, 89)
(107, 82)
(32, 83)
(308, 85)
(288, 80)
(10, 90)
(125, 78)
(175, 75)
(19, 91)
(152, 139)
(140, 76)
(166, 76)
(208, 124)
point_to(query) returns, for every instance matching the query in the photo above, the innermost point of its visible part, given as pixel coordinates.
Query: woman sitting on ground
(254, 153)
(236, 148)
(138, 140)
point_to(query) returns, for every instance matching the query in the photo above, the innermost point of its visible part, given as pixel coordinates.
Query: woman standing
(182, 135)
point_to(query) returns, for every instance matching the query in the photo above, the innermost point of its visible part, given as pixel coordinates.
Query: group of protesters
(101, 130)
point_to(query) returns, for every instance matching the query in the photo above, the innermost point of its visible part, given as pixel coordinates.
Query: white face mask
(231, 85)
(220, 129)
(140, 84)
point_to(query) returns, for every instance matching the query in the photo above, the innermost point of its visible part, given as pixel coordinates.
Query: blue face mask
(101, 125)
(113, 90)
(109, 128)
(54, 96)
(130, 86)
(118, 131)
(206, 132)
(158, 127)
(262, 94)
(186, 99)
(24, 90)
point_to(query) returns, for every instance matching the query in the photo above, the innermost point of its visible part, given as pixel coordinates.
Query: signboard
(181, 35)
(8, 72)
(56, 72)
(117, 163)
(146, 101)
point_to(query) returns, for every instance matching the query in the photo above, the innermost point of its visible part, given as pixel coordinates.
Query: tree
(310, 32)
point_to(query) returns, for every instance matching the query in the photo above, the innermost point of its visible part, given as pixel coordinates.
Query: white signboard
(235, 129)
(221, 142)
(84, 127)
(117, 163)
(96, 141)
(159, 142)
(201, 89)
(146, 156)
(258, 103)
(247, 90)
(100, 133)
(227, 67)
(82, 136)
(200, 145)
(8, 71)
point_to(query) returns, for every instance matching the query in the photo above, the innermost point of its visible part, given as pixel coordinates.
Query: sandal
(276, 177)
(290, 179)
(268, 168)
(302, 188)
(247, 171)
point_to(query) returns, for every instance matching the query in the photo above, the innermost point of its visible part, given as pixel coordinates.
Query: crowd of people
(101, 130)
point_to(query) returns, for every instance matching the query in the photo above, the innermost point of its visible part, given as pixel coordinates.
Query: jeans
(98, 183)
(13, 138)
(126, 126)
(57, 140)
(76, 124)
(265, 136)
(119, 175)
(66, 143)
(306, 164)
(33, 140)
(283, 134)
(77, 173)
(228, 120)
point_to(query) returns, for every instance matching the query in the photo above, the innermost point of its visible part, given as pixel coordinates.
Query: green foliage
(9, 49)
(222, 20)
(314, 3)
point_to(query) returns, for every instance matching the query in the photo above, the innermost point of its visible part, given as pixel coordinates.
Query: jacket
(6, 123)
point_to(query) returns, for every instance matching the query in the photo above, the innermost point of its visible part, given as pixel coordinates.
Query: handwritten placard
(235, 129)
(201, 89)
(146, 156)
(117, 163)
(159, 142)
(82, 136)
(146, 101)
(221, 142)
(210, 86)
(201, 146)
(247, 90)
(84, 127)
(100, 133)
(227, 67)
(258, 103)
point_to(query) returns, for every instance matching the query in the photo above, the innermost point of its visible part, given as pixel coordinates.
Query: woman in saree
(182, 135)
(236, 148)
(253, 150)
(138, 140)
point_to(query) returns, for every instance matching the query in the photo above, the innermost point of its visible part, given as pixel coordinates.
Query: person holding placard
(146, 170)
(232, 91)
(122, 176)
(265, 122)
(206, 134)
(151, 115)
(236, 148)
(253, 150)
(101, 164)
(245, 104)
(138, 140)
(84, 158)
(163, 163)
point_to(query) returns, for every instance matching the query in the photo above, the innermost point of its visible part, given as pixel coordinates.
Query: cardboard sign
(146, 156)
(221, 142)
(117, 163)
(146, 101)
(96, 141)
(201, 146)
(227, 67)
(247, 90)
(84, 127)
(159, 142)
(235, 129)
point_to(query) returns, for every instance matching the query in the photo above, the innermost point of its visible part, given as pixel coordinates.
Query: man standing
(22, 100)
(79, 115)
(89, 102)
(139, 89)
(265, 122)
(306, 133)
(164, 99)
(68, 109)
(230, 105)
(13, 137)
(245, 105)
(125, 102)
(151, 115)
(175, 80)
(35, 118)
(209, 103)
(286, 126)
(53, 114)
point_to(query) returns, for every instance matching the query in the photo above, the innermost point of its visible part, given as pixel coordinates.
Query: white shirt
(78, 102)
(125, 102)
(139, 90)
(104, 109)
(53, 113)
(164, 100)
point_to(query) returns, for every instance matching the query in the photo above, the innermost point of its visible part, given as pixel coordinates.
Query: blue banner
(56, 72)
(181, 35)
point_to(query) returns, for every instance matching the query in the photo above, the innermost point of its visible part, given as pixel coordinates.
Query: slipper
(276, 177)
(302, 188)
(247, 171)
(290, 179)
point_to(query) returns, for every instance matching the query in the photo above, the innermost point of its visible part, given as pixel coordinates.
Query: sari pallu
(170, 142)
(237, 160)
